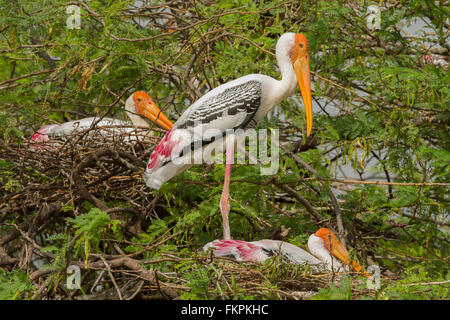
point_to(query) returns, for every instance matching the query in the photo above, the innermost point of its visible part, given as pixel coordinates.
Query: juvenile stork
(215, 117)
(137, 107)
(324, 247)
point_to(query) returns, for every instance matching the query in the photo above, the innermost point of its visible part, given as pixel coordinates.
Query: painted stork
(137, 106)
(323, 245)
(216, 117)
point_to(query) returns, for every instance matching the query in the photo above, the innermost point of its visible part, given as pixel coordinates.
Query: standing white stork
(323, 245)
(238, 104)
(137, 106)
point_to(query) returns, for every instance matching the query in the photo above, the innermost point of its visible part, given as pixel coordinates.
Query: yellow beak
(151, 111)
(338, 250)
(301, 67)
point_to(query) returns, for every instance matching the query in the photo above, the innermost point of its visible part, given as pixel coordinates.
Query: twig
(383, 183)
(428, 283)
(111, 276)
(339, 220)
(310, 209)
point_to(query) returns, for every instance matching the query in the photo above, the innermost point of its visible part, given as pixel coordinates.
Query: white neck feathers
(281, 89)
(318, 249)
(133, 114)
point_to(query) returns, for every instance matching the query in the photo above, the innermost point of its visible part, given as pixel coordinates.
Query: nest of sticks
(44, 184)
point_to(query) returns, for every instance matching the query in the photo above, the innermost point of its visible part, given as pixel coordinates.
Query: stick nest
(45, 184)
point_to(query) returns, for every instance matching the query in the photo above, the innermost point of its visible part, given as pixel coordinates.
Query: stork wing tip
(151, 182)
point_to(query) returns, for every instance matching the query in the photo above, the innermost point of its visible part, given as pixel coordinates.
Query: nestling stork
(137, 106)
(323, 245)
(238, 104)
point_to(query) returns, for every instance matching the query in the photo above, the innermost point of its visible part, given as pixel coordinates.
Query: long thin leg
(224, 203)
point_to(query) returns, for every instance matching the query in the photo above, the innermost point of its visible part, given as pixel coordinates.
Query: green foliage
(14, 285)
(199, 282)
(418, 285)
(90, 228)
(155, 230)
(333, 292)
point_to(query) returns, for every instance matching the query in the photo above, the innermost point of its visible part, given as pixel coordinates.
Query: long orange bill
(301, 67)
(339, 251)
(152, 112)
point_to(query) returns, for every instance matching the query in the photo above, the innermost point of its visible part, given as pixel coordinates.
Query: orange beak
(337, 249)
(301, 67)
(149, 109)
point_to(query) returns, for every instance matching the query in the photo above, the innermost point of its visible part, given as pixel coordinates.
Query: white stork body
(262, 93)
(137, 106)
(323, 245)
(261, 250)
(70, 127)
(215, 117)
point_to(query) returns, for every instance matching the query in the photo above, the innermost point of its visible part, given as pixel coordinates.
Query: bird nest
(77, 168)
(45, 184)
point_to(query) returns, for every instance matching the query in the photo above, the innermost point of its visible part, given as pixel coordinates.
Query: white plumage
(237, 105)
(137, 106)
(272, 92)
(325, 250)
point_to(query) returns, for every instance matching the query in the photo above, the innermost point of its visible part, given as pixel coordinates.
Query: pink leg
(224, 203)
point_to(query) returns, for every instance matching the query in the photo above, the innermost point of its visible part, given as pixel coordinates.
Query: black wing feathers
(242, 98)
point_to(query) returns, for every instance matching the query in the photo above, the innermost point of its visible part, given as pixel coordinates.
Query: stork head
(297, 48)
(336, 248)
(141, 103)
(332, 243)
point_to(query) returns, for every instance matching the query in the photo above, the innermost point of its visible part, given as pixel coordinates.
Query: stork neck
(288, 82)
(135, 118)
(317, 247)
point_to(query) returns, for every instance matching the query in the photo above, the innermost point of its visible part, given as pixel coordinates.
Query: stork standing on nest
(137, 107)
(238, 104)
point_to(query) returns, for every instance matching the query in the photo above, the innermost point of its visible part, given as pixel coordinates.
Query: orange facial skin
(146, 107)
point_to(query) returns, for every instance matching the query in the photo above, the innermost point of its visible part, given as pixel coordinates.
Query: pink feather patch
(162, 151)
(241, 250)
(35, 136)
